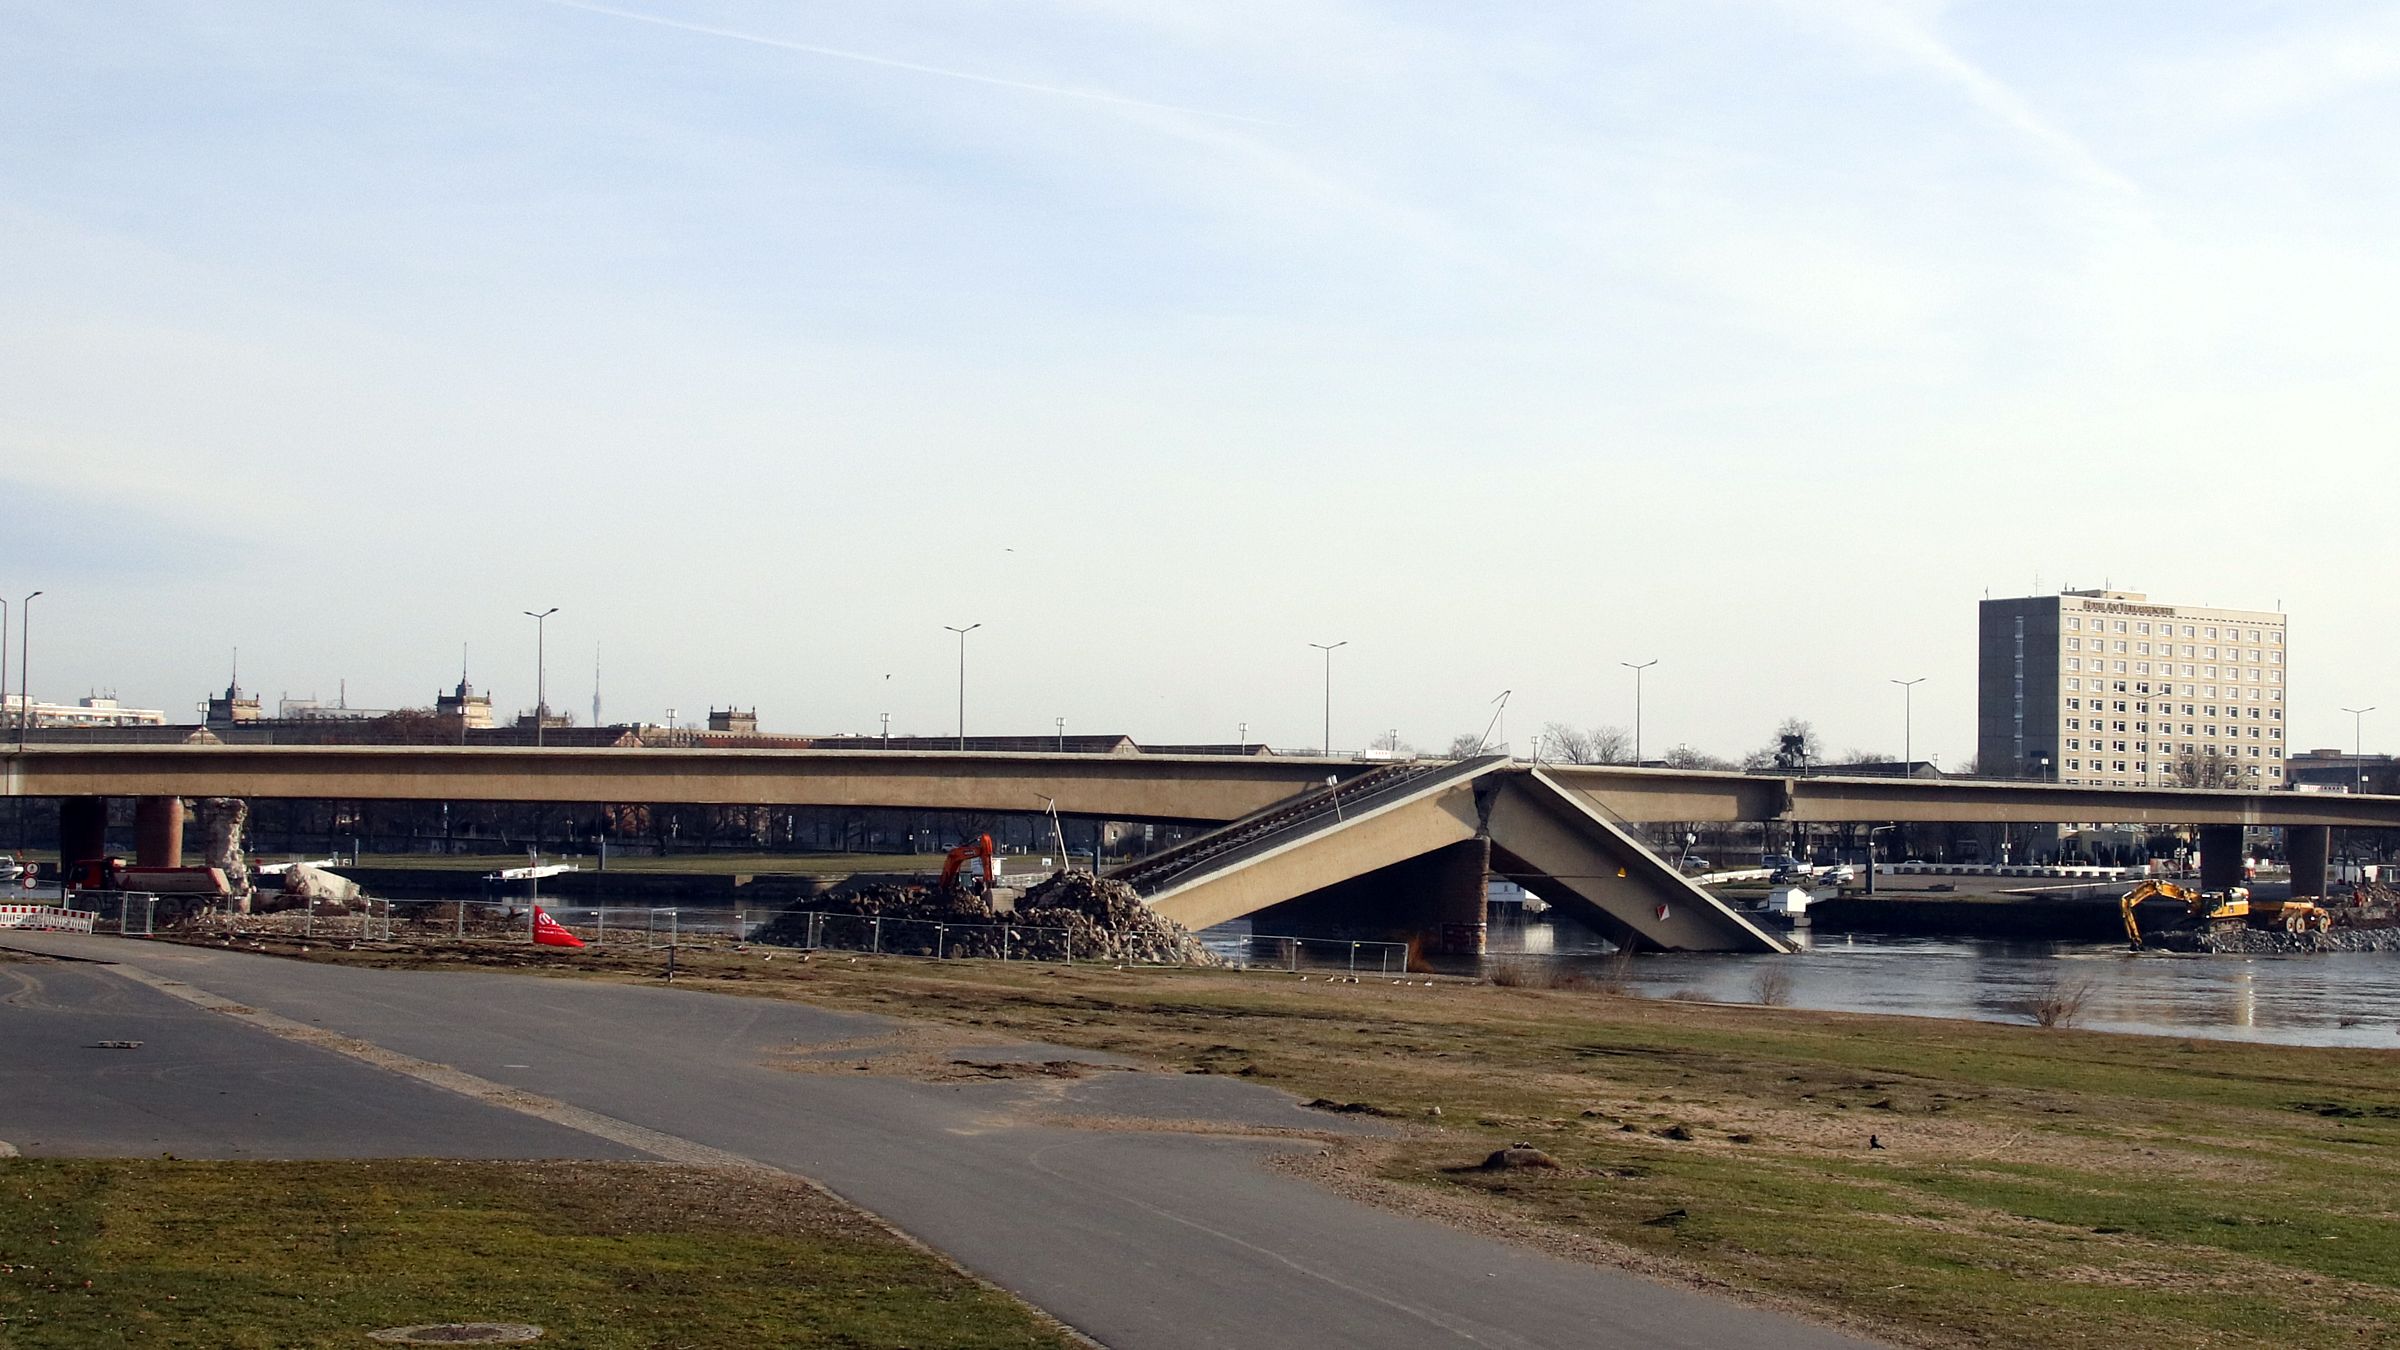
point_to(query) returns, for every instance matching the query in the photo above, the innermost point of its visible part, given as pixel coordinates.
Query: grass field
(217, 1254)
(2033, 1187)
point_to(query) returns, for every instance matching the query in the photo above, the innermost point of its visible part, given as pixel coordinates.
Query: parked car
(1840, 874)
(1694, 866)
(1779, 862)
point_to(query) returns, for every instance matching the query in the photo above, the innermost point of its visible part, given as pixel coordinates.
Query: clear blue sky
(1505, 343)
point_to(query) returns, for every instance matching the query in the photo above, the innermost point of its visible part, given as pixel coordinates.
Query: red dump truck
(115, 874)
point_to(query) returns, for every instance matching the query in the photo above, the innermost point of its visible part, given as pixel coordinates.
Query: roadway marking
(667, 1147)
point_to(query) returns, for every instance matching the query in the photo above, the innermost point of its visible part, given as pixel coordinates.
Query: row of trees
(1795, 745)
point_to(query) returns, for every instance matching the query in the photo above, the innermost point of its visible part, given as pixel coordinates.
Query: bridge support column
(2220, 857)
(1459, 877)
(2308, 846)
(158, 831)
(82, 831)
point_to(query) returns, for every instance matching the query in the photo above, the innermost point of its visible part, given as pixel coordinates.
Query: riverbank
(1944, 1183)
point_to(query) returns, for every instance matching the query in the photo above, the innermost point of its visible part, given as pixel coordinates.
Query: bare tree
(1689, 757)
(1464, 745)
(1794, 748)
(1390, 743)
(2205, 769)
(1600, 745)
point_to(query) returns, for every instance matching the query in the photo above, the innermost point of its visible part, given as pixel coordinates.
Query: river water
(2350, 999)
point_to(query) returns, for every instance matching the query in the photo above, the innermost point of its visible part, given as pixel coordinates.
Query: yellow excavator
(2211, 910)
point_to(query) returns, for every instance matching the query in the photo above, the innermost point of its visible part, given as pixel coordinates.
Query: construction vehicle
(980, 847)
(115, 874)
(2211, 911)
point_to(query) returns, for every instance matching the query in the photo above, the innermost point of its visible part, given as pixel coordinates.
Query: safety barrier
(1257, 951)
(48, 917)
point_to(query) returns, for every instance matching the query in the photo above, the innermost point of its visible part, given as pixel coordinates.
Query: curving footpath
(1136, 1238)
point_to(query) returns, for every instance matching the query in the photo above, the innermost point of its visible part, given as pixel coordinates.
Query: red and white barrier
(46, 916)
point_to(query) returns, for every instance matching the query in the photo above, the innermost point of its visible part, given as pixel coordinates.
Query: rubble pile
(1094, 919)
(2269, 941)
(1111, 922)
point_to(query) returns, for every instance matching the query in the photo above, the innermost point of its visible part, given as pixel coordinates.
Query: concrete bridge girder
(1574, 856)
(1593, 867)
(1319, 861)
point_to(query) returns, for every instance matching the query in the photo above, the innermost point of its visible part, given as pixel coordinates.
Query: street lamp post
(1328, 649)
(1908, 726)
(3, 666)
(541, 669)
(1637, 705)
(1061, 724)
(887, 729)
(2358, 746)
(962, 678)
(1241, 738)
(24, 665)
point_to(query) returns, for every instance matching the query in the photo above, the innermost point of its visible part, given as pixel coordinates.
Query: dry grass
(1533, 972)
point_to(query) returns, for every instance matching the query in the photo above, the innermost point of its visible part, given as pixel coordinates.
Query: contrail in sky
(864, 58)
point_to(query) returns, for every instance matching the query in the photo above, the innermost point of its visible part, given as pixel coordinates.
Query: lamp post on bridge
(541, 668)
(1908, 727)
(24, 666)
(962, 678)
(2358, 746)
(1328, 649)
(1637, 705)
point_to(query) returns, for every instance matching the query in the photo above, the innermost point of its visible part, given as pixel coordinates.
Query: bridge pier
(2308, 847)
(158, 831)
(82, 831)
(2220, 857)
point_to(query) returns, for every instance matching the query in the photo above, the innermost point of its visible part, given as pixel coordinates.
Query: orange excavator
(961, 856)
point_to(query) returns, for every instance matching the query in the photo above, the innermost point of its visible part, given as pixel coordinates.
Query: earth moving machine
(980, 847)
(2210, 911)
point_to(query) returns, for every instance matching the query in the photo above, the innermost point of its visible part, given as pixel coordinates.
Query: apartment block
(2111, 688)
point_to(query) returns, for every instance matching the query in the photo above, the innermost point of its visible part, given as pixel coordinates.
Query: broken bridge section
(1402, 852)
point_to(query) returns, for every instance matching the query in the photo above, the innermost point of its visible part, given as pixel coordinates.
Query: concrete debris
(308, 882)
(223, 821)
(2270, 942)
(1093, 918)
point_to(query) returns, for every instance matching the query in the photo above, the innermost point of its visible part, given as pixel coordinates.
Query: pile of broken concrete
(1093, 919)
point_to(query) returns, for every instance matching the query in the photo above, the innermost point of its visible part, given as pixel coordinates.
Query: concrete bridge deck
(1200, 789)
(1413, 858)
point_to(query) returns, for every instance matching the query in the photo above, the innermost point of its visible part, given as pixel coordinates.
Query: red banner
(549, 932)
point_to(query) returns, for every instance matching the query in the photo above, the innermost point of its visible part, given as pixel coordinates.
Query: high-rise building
(2108, 688)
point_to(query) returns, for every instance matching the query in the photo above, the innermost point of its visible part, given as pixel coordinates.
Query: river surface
(2344, 998)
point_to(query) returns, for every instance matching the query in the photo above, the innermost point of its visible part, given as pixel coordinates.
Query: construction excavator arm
(981, 848)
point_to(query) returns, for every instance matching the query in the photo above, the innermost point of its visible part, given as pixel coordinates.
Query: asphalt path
(95, 1065)
(1138, 1238)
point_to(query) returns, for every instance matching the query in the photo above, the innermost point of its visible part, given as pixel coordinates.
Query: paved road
(1137, 1238)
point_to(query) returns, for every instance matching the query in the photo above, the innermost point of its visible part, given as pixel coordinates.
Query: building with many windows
(2109, 688)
